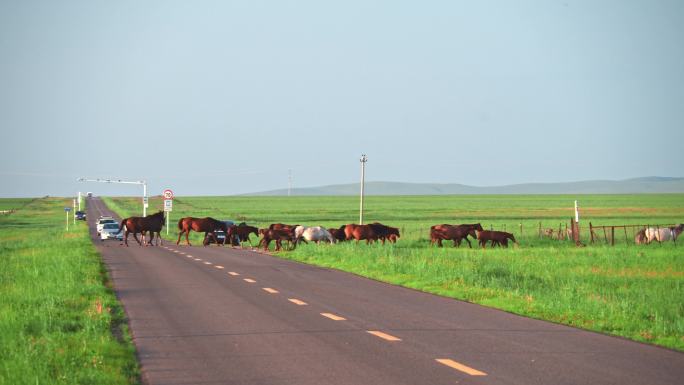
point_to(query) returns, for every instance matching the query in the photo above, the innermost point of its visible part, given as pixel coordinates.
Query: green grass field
(627, 290)
(59, 322)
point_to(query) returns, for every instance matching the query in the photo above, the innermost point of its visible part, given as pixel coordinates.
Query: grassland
(59, 322)
(632, 291)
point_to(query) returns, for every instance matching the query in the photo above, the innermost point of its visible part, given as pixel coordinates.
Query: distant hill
(651, 184)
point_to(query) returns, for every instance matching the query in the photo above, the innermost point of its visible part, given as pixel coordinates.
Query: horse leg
(187, 237)
(126, 237)
(468, 240)
(135, 236)
(213, 235)
(179, 237)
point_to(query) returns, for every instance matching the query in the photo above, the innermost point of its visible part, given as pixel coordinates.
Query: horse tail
(121, 226)
(180, 224)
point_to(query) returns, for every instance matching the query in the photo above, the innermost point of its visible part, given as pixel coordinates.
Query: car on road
(80, 215)
(102, 221)
(220, 235)
(111, 231)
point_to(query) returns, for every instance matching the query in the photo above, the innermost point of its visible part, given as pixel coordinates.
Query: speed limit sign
(168, 194)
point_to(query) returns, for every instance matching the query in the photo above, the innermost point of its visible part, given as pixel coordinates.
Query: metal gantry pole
(363, 161)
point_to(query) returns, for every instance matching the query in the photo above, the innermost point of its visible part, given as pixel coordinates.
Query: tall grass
(627, 290)
(59, 322)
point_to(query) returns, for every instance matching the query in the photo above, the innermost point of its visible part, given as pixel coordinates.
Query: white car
(102, 221)
(111, 231)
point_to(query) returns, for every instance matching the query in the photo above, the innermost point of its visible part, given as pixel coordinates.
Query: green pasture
(60, 323)
(634, 291)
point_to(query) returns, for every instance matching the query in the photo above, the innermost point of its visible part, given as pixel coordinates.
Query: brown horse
(240, 233)
(152, 223)
(338, 234)
(457, 233)
(278, 236)
(385, 232)
(497, 237)
(201, 225)
(359, 232)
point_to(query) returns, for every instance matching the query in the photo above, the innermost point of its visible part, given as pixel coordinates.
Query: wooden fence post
(591, 232)
(612, 235)
(539, 229)
(521, 233)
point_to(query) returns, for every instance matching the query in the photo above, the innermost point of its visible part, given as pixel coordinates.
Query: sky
(225, 97)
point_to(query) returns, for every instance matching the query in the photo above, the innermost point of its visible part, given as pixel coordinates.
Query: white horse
(312, 234)
(664, 234)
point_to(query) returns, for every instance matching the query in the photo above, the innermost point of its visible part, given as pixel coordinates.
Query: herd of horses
(295, 234)
(658, 234)
(373, 232)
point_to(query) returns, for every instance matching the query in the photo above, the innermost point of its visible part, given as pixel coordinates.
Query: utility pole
(138, 182)
(363, 161)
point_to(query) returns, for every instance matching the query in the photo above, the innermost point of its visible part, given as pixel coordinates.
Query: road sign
(168, 205)
(67, 209)
(168, 194)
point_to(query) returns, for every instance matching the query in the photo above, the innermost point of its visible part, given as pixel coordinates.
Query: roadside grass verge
(634, 291)
(59, 322)
(624, 291)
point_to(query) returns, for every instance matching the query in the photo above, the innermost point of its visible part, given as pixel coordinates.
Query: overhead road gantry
(138, 182)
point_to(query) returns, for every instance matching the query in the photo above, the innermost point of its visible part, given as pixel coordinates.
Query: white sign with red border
(168, 194)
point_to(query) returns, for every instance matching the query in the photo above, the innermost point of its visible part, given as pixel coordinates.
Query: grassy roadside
(624, 291)
(632, 291)
(59, 322)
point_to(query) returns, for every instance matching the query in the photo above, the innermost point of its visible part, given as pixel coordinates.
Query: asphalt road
(216, 315)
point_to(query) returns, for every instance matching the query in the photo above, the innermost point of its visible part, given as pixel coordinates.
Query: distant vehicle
(111, 231)
(89, 194)
(102, 221)
(220, 235)
(80, 215)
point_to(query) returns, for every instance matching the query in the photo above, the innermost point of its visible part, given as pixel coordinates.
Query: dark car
(80, 215)
(220, 235)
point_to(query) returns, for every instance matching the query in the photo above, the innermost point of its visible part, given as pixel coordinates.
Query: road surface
(216, 315)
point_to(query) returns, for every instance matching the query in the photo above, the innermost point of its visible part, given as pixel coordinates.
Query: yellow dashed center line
(269, 290)
(384, 336)
(297, 301)
(333, 317)
(250, 280)
(460, 367)
(218, 267)
(233, 273)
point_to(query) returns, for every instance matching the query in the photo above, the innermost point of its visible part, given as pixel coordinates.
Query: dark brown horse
(240, 233)
(456, 233)
(496, 237)
(201, 225)
(385, 232)
(278, 236)
(338, 234)
(152, 223)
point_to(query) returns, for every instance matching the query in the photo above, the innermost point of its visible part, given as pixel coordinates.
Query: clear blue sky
(220, 97)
